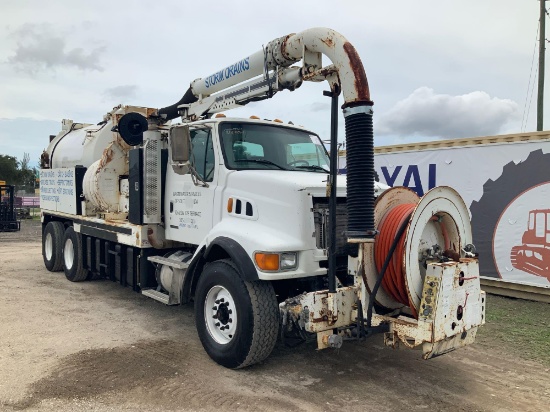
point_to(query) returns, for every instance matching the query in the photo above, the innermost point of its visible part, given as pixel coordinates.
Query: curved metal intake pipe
(344, 57)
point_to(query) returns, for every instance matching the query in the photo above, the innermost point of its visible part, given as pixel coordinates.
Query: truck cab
(249, 177)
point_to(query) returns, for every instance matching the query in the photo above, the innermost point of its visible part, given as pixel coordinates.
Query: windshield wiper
(313, 167)
(261, 161)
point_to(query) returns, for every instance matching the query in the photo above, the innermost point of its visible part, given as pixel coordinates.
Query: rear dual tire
(52, 246)
(72, 256)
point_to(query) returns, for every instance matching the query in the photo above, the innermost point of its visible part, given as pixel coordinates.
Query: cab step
(178, 274)
(174, 263)
(155, 294)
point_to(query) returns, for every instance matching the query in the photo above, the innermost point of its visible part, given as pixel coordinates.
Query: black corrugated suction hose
(360, 171)
(171, 112)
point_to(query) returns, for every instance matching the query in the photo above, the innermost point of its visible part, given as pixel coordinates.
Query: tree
(18, 173)
(9, 169)
(25, 161)
(26, 176)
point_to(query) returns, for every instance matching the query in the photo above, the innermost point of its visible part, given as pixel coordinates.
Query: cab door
(190, 196)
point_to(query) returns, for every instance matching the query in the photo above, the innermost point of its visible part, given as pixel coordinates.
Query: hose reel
(438, 229)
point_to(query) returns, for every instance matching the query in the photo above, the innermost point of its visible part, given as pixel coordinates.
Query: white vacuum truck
(248, 219)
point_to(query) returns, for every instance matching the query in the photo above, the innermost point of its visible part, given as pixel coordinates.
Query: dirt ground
(96, 346)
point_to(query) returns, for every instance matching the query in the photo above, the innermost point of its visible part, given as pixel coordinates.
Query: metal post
(542, 48)
(332, 199)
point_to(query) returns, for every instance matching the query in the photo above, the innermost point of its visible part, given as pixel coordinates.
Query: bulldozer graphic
(533, 255)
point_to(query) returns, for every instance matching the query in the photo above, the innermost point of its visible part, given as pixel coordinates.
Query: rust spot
(447, 264)
(328, 41)
(284, 45)
(151, 236)
(154, 239)
(403, 322)
(325, 72)
(106, 158)
(335, 86)
(296, 310)
(361, 83)
(451, 254)
(324, 316)
(313, 319)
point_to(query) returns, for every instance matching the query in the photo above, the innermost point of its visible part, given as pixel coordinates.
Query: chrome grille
(320, 217)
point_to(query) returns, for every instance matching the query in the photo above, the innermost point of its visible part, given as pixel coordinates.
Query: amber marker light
(267, 261)
(229, 205)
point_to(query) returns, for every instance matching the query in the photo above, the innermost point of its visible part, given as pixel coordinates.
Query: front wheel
(237, 321)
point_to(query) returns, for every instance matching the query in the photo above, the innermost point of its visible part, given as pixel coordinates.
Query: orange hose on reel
(393, 281)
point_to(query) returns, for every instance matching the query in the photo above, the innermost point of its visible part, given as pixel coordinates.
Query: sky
(437, 69)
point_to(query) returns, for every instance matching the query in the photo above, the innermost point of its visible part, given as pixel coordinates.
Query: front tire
(237, 321)
(72, 256)
(52, 246)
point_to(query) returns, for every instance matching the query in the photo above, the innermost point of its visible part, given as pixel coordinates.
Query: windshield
(259, 146)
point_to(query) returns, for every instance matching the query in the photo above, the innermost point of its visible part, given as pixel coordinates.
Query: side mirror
(180, 144)
(180, 148)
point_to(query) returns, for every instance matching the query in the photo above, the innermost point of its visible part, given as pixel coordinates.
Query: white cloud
(320, 107)
(124, 92)
(40, 47)
(428, 114)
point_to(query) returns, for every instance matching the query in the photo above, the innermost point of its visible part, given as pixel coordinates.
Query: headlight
(289, 260)
(273, 262)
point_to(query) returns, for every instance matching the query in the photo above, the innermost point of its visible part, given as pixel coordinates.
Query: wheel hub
(224, 313)
(220, 314)
(68, 254)
(48, 246)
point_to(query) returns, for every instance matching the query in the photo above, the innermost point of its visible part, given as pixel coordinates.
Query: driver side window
(202, 153)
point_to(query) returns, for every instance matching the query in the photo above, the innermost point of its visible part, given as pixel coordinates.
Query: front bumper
(452, 307)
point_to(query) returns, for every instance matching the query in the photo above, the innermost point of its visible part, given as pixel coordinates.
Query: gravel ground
(30, 232)
(96, 346)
